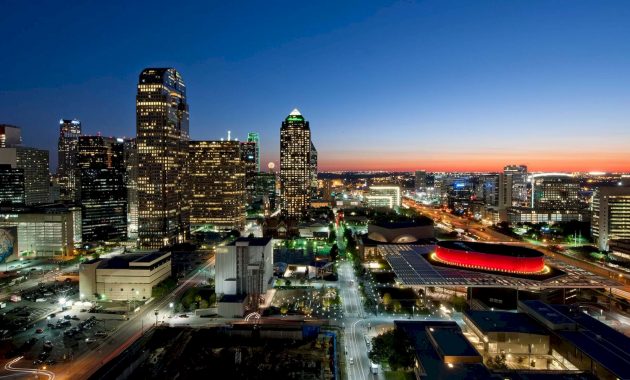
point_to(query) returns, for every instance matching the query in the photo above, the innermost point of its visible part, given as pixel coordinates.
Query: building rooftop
(446, 337)
(414, 267)
(600, 342)
(252, 241)
(125, 261)
(504, 321)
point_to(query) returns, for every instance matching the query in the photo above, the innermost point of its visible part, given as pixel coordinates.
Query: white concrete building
(125, 277)
(244, 267)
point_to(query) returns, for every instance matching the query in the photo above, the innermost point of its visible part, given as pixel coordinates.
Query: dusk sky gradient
(401, 85)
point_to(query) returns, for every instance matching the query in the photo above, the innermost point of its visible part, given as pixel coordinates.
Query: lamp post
(156, 317)
(170, 306)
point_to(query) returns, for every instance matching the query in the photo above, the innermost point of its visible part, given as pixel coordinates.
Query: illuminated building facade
(47, 230)
(384, 196)
(295, 165)
(34, 164)
(420, 180)
(518, 177)
(131, 182)
(248, 157)
(265, 191)
(254, 137)
(611, 215)
(162, 147)
(492, 257)
(555, 191)
(313, 161)
(67, 176)
(217, 184)
(11, 186)
(10, 136)
(101, 165)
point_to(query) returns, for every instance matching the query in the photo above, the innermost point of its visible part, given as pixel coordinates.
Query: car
(351, 360)
(75, 318)
(183, 316)
(67, 316)
(39, 330)
(101, 334)
(52, 315)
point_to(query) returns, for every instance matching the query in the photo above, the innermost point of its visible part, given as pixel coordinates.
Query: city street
(157, 311)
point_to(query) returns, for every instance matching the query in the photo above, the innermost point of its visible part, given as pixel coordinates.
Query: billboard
(8, 242)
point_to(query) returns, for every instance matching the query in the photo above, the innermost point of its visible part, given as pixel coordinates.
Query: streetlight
(156, 317)
(171, 305)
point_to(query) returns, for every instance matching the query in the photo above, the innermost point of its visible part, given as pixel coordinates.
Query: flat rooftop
(505, 321)
(432, 363)
(603, 344)
(413, 268)
(419, 221)
(252, 241)
(124, 261)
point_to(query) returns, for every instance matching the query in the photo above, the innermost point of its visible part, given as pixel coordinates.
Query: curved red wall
(490, 261)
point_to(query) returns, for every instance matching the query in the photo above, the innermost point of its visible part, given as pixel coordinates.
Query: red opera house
(492, 257)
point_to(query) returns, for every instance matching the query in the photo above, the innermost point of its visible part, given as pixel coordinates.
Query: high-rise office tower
(248, 157)
(67, 175)
(10, 136)
(131, 181)
(611, 215)
(313, 161)
(101, 165)
(34, 163)
(295, 165)
(217, 184)
(11, 186)
(421, 180)
(497, 190)
(162, 143)
(518, 173)
(254, 137)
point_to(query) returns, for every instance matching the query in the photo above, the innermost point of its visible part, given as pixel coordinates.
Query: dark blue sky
(393, 84)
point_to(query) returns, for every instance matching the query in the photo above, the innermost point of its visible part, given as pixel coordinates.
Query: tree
(387, 300)
(334, 253)
(397, 306)
(332, 236)
(459, 303)
(392, 348)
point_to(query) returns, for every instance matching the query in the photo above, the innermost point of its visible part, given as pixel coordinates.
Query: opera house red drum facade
(491, 257)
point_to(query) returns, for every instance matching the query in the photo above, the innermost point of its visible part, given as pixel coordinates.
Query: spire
(295, 112)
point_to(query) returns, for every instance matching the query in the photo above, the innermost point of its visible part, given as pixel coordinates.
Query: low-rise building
(125, 277)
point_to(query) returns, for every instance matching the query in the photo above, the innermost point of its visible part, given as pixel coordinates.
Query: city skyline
(453, 88)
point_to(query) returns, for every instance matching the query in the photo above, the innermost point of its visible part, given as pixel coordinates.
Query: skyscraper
(295, 165)
(248, 158)
(34, 163)
(11, 186)
(162, 143)
(67, 176)
(255, 138)
(131, 182)
(102, 186)
(10, 136)
(217, 184)
(313, 169)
